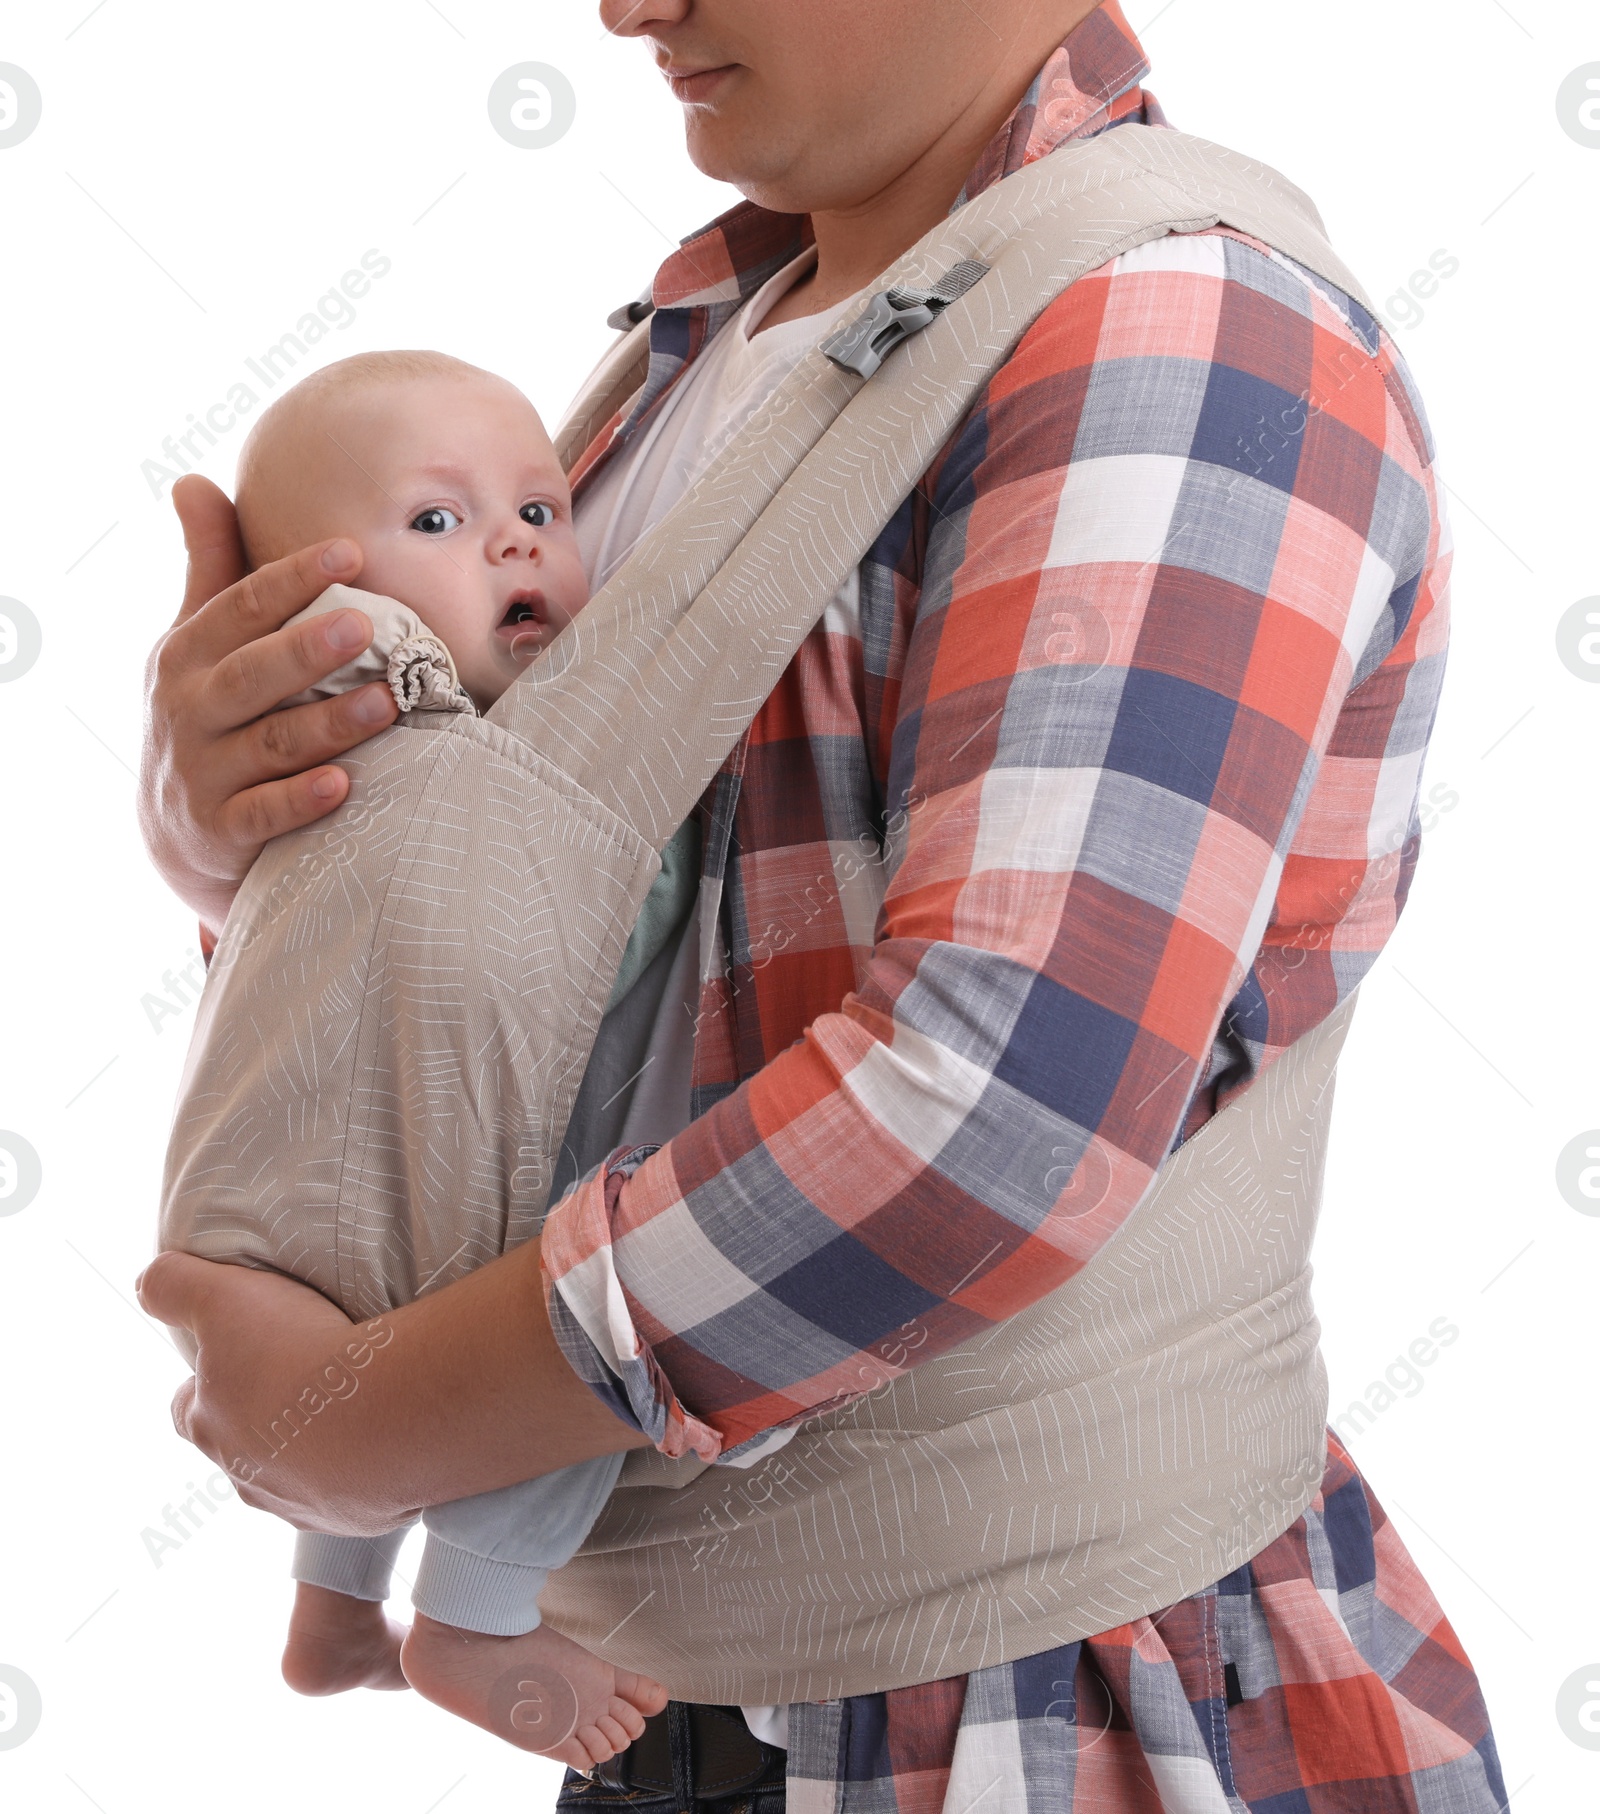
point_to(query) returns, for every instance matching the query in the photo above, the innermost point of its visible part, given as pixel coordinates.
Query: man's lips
(691, 85)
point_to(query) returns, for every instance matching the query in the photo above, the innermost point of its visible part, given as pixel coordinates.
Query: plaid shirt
(1320, 1678)
(1094, 793)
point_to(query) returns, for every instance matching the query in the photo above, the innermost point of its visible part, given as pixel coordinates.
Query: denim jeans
(711, 1745)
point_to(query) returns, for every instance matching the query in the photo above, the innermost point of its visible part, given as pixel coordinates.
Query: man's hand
(219, 778)
(348, 1427)
(276, 1370)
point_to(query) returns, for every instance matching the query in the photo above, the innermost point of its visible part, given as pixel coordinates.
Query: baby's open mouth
(524, 608)
(526, 625)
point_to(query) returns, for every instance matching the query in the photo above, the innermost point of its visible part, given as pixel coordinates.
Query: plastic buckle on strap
(893, 316)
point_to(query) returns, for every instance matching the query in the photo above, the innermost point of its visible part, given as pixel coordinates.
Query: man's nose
(637, 18)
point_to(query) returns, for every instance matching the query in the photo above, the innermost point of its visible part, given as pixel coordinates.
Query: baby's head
(445, 477)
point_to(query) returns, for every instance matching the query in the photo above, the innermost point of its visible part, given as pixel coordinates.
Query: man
(1133, 693)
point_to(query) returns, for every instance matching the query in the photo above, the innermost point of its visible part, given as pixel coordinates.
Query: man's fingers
(264, 601)
(255, 679)
(288, 744)
(211, 535)
(271, 595)
(173, 1287)
(262, 813)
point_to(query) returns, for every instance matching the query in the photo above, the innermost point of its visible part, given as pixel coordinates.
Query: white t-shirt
(726, 386)
(731, 380)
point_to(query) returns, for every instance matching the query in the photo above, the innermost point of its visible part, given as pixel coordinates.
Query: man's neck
(857, 243)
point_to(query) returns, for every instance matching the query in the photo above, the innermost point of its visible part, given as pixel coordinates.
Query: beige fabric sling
(1131, 1438)
(405, 995)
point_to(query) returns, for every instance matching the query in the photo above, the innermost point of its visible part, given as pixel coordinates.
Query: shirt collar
(1091, 81)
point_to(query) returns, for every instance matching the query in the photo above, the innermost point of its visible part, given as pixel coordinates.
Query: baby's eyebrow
(539, 473)
(435, 469)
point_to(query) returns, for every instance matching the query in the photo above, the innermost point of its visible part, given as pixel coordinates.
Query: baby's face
(452, 489)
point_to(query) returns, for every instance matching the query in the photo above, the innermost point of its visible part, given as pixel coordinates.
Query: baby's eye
(437, 521)
(539, 516)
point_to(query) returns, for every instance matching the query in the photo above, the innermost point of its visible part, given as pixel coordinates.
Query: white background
(202, 174)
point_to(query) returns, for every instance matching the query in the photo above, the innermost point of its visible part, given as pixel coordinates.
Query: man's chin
(730, 147)
(709, 147)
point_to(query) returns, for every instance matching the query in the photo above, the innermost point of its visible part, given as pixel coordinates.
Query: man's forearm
(350, 1428)
(473, 1393)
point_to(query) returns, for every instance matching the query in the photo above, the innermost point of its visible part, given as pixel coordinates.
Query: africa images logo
(21, 1707)
(334, 310)
(1578, 106)
(1578, 1707)
(20, 105)
(532, 105)
(20, 639)
(1578, 639)
(20, 1173)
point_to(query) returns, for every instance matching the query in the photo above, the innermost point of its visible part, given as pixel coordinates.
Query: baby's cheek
(457, 610)
(574, 588)
(460, 622)
(394, 571)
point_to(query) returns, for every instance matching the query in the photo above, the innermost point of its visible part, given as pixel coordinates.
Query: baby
(444, 476)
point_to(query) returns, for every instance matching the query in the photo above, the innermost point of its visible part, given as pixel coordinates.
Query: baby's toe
(574, 1755)
(596, 1744)
(623, 1714)
(617, 1733)
(642, 1691)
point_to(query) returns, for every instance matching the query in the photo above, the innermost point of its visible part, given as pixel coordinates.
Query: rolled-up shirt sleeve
(1183, 579)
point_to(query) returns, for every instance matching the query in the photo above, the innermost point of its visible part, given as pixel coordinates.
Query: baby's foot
(336, 1643)
(540, 1692)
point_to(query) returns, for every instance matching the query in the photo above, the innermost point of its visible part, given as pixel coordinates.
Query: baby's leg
(340, 1637)
(477, 1648)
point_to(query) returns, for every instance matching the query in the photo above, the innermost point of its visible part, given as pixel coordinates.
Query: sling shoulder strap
(688, 639)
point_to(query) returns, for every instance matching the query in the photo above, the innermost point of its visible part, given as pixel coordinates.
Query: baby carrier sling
(405, 995)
